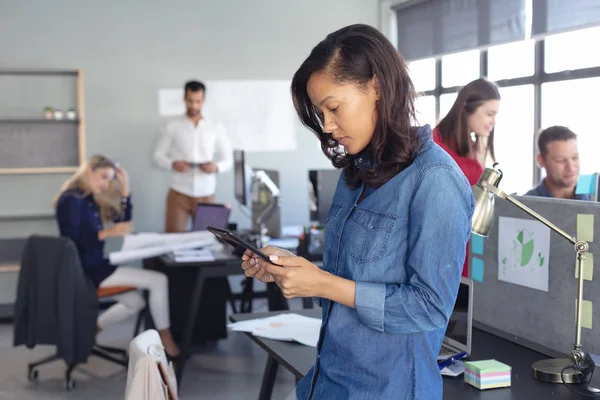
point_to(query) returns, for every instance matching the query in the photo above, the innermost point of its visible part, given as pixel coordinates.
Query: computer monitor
(459, 330)
(322, 184)
(242, 177)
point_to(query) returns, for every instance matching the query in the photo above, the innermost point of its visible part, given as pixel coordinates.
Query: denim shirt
(404, 246)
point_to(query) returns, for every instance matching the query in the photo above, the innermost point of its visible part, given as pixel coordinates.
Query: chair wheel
(69, 384)
(33, 375)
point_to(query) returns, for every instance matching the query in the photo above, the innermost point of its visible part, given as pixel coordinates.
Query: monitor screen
(239, 167)
(458, 325)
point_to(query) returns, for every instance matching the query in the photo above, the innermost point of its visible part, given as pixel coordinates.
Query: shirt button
(360, 160)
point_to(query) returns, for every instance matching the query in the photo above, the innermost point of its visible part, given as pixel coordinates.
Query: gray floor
(231, 370)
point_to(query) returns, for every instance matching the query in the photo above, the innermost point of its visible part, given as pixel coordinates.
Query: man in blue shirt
(559, 156)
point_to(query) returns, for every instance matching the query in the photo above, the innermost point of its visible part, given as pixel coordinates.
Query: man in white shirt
(195, 150)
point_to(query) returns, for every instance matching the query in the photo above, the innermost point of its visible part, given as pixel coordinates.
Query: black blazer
(56, 304)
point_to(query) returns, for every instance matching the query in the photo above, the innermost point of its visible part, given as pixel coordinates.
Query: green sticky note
(588, 267)
(487, 366)
(586, 314)
(585, 227)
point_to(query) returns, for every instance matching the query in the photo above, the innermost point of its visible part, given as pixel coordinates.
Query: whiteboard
(258, 114)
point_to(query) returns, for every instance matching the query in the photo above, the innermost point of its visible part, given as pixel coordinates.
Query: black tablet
(236, 242)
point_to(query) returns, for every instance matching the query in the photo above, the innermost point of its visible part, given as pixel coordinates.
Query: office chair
(63, 313)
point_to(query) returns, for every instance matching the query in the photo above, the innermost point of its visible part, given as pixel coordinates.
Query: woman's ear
(376, 87)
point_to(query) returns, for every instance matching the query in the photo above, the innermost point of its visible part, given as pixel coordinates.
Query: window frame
(539, 77)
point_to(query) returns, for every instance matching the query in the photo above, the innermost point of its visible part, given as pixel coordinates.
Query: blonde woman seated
(98, 193)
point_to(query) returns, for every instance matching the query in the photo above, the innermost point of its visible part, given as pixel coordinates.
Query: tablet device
(236, 242)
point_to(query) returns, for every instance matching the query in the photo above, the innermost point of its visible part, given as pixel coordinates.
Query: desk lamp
(571, 370)
(261, 177)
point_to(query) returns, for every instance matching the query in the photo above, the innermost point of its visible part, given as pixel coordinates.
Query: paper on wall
(258, 115)
(523, 252)
(148, 244)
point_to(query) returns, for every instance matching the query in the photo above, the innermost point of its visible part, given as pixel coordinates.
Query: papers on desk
(286, 327)
(193, 255)
(149, 244)
(285, 243)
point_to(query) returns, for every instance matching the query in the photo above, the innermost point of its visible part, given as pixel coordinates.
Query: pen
(449, 361)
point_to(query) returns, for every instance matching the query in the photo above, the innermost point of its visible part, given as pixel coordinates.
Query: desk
(224, 265)
(298, 359)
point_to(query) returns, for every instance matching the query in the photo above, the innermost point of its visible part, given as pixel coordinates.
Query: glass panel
(422, 73)
(425, 108)
(512, 60)
(572, 50)
(573, 104)
(446, 102)
(514, 138)
(460, 68)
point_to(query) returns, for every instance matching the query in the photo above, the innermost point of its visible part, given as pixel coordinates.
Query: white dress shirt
(182, 141)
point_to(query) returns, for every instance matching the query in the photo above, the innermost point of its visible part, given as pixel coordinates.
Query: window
(425, 110)
(446, 102)
(573, 104)
(512, 60)
(460, 68)
(572, 50)
(514, 138)
(422, 73)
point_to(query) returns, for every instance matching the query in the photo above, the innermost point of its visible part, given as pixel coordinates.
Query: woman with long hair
(395, 235)
(96, 195)
(467, 131)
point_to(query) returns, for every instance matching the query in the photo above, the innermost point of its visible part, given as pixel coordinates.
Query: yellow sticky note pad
(585, 227)
(586, 314)
(588, 267)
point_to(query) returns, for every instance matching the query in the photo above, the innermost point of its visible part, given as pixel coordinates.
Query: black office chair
(58, 305)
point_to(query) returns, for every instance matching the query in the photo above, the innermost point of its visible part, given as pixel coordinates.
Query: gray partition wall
(523, 314)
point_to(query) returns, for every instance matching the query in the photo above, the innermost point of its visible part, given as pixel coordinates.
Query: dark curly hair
(357, 53)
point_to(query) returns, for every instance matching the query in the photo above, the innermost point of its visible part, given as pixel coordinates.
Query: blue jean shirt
(404, 246)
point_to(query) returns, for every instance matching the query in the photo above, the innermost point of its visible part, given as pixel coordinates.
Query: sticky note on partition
(586, 184)
(586, 313)
(477, 268)
(477, 244)
(588, 267)
(585, 227)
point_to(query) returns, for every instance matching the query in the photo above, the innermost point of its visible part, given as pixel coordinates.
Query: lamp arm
(581, 247)
(500, 193)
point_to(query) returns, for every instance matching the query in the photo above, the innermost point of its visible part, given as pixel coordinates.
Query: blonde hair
(109, 201)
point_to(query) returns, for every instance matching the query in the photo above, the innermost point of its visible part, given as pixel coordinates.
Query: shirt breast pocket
(369, 234)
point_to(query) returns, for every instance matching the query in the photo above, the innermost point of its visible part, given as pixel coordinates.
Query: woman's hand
(296, 276)
(253, 269)
(118, 229)
(123, 179)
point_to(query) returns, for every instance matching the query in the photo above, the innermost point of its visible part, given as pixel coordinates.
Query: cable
(568, 385)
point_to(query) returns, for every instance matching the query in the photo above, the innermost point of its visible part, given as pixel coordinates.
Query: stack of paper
(487, 374)
(144, 245)
(193, 255)
(287, 327)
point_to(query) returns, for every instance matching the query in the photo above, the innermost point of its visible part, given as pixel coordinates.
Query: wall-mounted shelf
(39, 72)
(37, 121)
(26, 217)
(43, 146)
